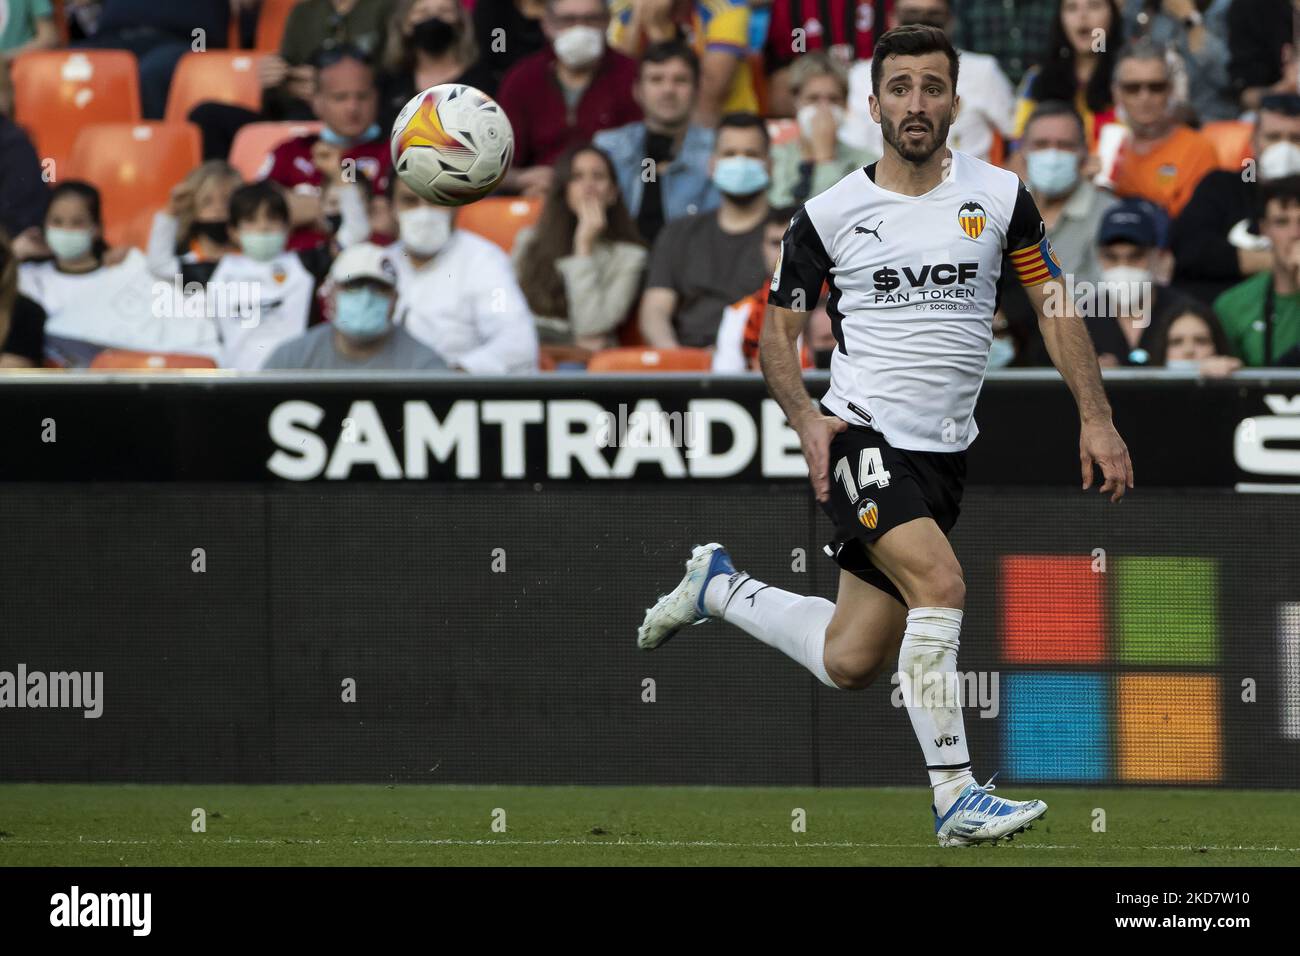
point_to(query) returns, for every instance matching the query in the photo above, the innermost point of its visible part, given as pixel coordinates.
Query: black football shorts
(875, 487)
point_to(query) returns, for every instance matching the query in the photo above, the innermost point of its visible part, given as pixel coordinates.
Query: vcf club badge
(868, 514)
(972, 218)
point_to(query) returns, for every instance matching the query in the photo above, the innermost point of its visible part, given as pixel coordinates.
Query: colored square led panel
(1165, 610)
(1053, 609)
(1055, 726)
(1167, 728)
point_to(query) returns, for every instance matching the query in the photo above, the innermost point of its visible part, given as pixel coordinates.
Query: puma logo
(864, 231)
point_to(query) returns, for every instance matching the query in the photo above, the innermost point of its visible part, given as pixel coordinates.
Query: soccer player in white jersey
(912, 248)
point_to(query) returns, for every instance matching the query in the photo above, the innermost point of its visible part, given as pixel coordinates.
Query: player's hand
(1100, 444)
(815, 435)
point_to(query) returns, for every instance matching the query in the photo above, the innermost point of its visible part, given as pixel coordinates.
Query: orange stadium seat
(57, 92)
(125, 358)
(499, 217)
(651, 360)
(218, 76)
(271, 21)
(1231, 141)
(254, 142)
(134, 166)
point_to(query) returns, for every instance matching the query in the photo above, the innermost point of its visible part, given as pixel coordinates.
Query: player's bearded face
(915, 136)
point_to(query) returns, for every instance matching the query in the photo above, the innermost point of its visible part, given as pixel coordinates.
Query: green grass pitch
(113, 825)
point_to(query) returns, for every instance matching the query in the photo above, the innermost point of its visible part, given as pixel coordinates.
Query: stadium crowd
(249, 217)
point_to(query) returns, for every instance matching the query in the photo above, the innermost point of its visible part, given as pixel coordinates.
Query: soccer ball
(452, 144)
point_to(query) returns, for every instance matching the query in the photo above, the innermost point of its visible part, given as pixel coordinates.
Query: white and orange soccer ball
(452, 144)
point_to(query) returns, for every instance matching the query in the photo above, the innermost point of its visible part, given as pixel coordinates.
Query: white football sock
(927, 664)
(792, 623)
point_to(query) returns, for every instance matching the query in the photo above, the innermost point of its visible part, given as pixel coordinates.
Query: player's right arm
(801, 268)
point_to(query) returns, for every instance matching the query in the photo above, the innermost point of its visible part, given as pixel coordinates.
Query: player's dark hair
(1285, 190)
(1160, 335)
(89, 197)
(666, 50)
(246, 201)
(781, 215)
(552, 238)
(1057, 79)
(1050, 108)
(916, 39)
(744, 121)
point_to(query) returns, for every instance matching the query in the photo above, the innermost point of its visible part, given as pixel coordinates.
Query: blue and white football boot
(684, 605)
(978, 817)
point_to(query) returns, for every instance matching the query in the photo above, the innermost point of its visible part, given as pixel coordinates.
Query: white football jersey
(913, 289)
(258, 306)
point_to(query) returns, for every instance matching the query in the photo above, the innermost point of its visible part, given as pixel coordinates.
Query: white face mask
(579, 46)
(806, 114)
(1126, 274)
(424, 230)
(1279, 161)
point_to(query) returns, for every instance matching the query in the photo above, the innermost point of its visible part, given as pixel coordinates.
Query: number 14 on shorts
(871, 471)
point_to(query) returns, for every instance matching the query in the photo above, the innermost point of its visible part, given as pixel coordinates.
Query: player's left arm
(1069, 346)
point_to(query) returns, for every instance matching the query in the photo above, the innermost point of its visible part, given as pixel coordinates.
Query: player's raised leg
(917, 557)
(844, 645)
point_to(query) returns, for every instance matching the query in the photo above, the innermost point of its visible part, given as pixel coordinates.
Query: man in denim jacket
(663, 162)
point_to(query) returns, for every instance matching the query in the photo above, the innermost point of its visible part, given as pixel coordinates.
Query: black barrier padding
(531, 676)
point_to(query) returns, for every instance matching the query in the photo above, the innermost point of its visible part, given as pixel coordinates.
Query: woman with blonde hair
(200, 204)
(430, 42)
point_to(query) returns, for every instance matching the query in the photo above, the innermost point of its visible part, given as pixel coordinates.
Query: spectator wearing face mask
(988, 102)
(702, 263)
(347, 103)
(200, 205)
(1051, 161)
(580, 267)
(91, 302)
(1261, 315)
(1132, 301)
(1051, 158)
(1216, 240)
(565, 93)
(820, 157)
(1163, 160)
(668, 79)
(458, 293)
(1194, 340)
(263, 295)
(362, 335)
(430, 42)
(742, 322)
(1183, 26)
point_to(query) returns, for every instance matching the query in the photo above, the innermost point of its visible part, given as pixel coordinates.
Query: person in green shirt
(1261, 316)
(26, 25)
